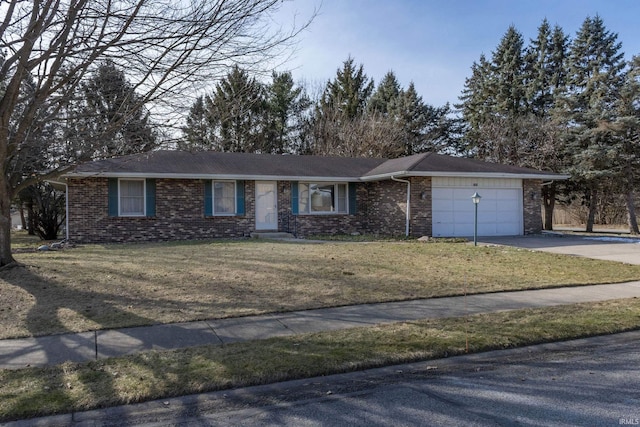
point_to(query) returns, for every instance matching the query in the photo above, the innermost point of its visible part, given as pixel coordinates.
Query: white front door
(266, 205)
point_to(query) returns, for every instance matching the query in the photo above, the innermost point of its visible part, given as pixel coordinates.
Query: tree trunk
(549, 202)
(631, 213)
(5, 223)
(592, 210)
(31, 218)
(23, 220)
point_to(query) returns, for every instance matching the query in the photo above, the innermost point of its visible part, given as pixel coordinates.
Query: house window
(224, 197)
(322, 198)
(131, 197)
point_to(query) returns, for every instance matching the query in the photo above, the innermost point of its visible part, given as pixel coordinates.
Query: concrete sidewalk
(86, 346)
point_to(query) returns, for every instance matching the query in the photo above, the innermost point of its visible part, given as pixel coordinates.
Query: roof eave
(158, 175)
(378, 177)
(552, 177)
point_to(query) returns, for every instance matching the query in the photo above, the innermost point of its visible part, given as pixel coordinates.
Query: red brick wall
(531, 200)
(387, 207)
(179, 214)
(420, 206)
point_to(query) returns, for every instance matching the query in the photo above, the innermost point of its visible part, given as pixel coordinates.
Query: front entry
(266, 205)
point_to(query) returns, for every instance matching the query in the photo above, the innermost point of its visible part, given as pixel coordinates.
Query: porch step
(271, 235)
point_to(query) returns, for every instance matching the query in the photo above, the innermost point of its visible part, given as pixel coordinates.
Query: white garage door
(499, 210)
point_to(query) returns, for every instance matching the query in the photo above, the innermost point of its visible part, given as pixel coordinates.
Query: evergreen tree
(545, 69)
(385, 95)
(477, 104)
(113, 120)
(508, 74)
(199, 132)
(626, 140)
(239, 104)
(424, 126)
(594, 80)
(349, 92)
(286, 105)
(546, 79)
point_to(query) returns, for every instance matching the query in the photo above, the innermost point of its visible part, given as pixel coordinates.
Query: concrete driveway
(621, 249)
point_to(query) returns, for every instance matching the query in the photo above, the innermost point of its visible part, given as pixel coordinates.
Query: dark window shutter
(294, 197)
(352, 198)
(113, 196)
(150, 188)
(240, 197)
(208, 198)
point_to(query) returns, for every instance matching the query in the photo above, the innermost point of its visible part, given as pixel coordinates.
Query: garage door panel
(463, 230)
(486, 217)
(445, 230)
(499, 212)
(461, 218)
(442, 216)
(485, 230)
(507, 205)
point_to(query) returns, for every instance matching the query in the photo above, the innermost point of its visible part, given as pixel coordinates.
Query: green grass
(153, 375)
(96, 287)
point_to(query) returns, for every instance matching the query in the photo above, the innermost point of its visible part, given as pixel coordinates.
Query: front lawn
(95, 287)
(160, 374)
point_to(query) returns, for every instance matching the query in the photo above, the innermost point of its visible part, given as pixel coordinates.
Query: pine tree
(199, 131)
(626, 140)
(594, 81)
(508, 74)
(477, 104)
(545, 69)
(113, 120)
(239, 104)
(286, 105)
(424, 127)
(546, 79)
(385, 95)
(349, 92)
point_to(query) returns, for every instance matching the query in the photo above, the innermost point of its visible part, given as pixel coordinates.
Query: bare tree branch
(167, 48)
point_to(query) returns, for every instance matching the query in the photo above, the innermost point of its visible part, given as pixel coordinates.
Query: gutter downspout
(393, 178)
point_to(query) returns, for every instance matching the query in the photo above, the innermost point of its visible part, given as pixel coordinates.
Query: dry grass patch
(94, 287)
(155, 375)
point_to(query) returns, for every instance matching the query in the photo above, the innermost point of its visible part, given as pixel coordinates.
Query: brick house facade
(381, 209)
(177, 205)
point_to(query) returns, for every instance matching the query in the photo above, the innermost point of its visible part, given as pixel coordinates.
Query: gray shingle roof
(243, 165)
(216, 163)
(433, 163)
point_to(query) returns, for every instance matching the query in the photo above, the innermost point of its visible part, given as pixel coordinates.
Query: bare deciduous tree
(528, 141)
(370, 135)
(167, 48)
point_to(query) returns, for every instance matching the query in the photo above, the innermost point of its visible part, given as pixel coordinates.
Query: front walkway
(86, 346)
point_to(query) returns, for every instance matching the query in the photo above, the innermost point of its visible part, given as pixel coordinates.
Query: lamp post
(476, 199)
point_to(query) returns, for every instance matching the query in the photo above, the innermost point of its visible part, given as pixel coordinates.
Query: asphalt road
(591, 382)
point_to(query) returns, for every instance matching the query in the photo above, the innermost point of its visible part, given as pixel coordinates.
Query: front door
(266, 205)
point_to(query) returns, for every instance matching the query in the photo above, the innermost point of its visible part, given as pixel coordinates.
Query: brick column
(532, 205)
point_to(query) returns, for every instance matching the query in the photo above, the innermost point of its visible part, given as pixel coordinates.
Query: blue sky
(434, 43)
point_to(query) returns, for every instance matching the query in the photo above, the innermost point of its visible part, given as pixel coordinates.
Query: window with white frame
(131, 197)
(224, 197)
(322, 198)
